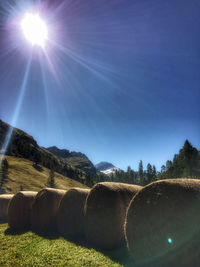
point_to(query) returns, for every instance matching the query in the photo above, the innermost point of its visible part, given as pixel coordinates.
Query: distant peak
(103, 166)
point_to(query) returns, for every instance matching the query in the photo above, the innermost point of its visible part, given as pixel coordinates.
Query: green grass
(30, 249)
(22, 173)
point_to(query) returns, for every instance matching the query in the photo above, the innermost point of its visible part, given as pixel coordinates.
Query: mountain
(64, 153)
(103, 166)
(106, 167)
(24, 146)
(76, 159)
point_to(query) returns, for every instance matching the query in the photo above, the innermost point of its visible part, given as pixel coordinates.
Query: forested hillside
(24, 146)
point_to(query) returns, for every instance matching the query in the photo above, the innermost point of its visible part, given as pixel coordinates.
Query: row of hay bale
(75, 212)
(98, 214)
(4, 201)
(159, 222)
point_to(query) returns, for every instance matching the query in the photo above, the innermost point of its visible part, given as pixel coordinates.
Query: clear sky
(117, 80)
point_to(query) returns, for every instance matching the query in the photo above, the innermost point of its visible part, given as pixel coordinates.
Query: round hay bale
(44, 210)
(105, 210)
(19, 210)
(162, 226)
(70, 217)
(4, 201)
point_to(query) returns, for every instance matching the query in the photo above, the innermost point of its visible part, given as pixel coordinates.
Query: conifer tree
(154, 171)
(149, 173)
(51, 179)
(88, 179)
(163, 168)
(3, 172)
(188, 157)
(141, 172)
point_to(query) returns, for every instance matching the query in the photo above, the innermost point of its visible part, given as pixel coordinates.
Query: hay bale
(4, 201)
(19, 210)
(44, 210)
(70, 216)
(162, 226)
(105, 210)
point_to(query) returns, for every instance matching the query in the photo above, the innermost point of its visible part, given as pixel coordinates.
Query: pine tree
(3, 172)
(168, 164)
(37, 158)
(149, 173)
(88, 179)
(141, 172)
(188, 158)
(163, 168)
(154, 172)
(51, 179)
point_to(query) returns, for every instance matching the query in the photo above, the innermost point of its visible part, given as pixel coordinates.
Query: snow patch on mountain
(106, 167)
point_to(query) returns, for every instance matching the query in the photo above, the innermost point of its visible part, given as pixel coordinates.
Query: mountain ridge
(65, 153)
(23, 145)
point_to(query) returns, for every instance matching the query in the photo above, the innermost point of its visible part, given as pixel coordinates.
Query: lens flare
(34, 29)
(169, 240)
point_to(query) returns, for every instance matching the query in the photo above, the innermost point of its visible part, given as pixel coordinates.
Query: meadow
(30, 249)
(21, 173)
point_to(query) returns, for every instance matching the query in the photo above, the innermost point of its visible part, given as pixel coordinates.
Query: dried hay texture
(4, 201)
(105, 210)
(45, 208)
(19, 210)
(163, 224)
(70, 216)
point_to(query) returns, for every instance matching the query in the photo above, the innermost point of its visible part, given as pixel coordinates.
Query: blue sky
(123, 83)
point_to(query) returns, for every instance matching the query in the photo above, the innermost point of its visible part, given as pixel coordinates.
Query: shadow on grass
(10, 231)
(46, 235)
(51, 235)
(119, 255)
(2, 221)
(37, 167)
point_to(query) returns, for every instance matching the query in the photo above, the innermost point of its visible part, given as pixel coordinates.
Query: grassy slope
(29, 249)
(22, 173)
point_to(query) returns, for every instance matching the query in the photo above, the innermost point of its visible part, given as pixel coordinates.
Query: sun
(34, 29)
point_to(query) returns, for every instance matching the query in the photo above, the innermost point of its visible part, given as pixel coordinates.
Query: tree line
(185, 164)
(140, 177)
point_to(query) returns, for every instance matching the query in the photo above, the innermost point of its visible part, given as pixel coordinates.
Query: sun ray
(50, 64)
(44, 84)
(17, 109)
(81, 61)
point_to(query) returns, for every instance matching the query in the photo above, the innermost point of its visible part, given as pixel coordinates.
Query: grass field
(30, 249)
(22, 173)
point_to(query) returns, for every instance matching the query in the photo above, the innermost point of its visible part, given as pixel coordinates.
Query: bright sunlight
(34, 29)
